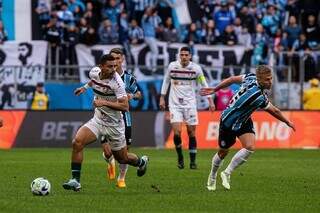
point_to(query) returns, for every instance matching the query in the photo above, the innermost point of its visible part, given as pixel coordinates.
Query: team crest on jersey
(180, 100)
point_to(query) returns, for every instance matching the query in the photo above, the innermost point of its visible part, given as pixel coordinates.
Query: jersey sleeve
(133, 87)
(120, 89)
(94, 73)
(166, 80)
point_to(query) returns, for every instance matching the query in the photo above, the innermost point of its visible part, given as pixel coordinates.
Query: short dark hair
(116, 51)
(185, 48)
(105, 58)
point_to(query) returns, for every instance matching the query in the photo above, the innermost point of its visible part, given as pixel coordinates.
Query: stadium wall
(152, 129)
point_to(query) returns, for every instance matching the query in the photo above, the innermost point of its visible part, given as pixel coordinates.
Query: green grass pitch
(271, 181)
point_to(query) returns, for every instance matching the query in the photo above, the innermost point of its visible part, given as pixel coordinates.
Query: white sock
(216, 163)
(108, 160)
(239, 158)
(123, 168)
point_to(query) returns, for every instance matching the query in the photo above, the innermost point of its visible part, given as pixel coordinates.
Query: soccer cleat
(72, 184)
(225, 180)
(193, 166)
(111, 170)
(211, 184)
(121, 183)
(180, 163)
(142, 169)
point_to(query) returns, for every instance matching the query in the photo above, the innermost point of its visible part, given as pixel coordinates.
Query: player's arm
(223, 84)
(275, 112)
(164, 89)
(121, 104)
(134, 90)
(82, 89)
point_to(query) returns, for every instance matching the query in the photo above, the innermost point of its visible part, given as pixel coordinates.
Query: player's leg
(225, 141)
(85, 135)
(176, 127)
(192, 146)
(123, 168)
(247, 139)
(108, 157)
(116, 137)
(191, 118)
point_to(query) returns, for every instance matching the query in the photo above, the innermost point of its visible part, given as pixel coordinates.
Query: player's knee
(77, 144)
(250, 147)
(123, 160)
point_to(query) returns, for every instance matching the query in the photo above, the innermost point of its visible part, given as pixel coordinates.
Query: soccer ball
(40, 186)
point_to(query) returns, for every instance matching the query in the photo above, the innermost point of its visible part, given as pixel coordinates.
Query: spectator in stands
(140, 6)
(270, 21)
(206, 9)
(40, 99)
(135, 33)
(53, 35)
(92, 15)
(108, 33)
(164, 8)
(169, 33)
(223, 17)
(247, 19)
(77, 14)
(260, 42)
(124, 35)
(111, 11)
(229, 37)
(212, 34)
(43, 10)
(237, 27)
(74, 5)
(71, 38)
(88, 36)
(65, 16)
(193, 36)
(150, 24)
(245, 39)
(311, 96)
(312, 32)
(3, 33)
(293, 31)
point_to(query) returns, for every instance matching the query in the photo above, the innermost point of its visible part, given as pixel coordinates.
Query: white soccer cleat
(211, 184)
(225, 180)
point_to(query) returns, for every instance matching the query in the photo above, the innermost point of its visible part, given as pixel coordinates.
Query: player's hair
(105, 58)
(185, 48)
(116, 51)
(263, 70)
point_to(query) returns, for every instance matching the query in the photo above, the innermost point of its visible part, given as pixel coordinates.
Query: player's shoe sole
(72, 184)
(121, 184)
(142, 170)
(211, 183)
(225, 180)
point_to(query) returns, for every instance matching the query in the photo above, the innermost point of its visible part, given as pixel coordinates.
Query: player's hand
(99, 102)
(206, 91)
(212, 107)
(291, 125)
(79, 91)
(130, 96)
(162, 103)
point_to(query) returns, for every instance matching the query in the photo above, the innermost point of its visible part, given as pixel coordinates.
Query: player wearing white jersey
(110, 99)
(183, 75)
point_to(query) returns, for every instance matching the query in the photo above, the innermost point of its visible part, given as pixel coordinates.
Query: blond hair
(263, 70)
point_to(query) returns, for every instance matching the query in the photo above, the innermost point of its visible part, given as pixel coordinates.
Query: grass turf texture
(271, 181)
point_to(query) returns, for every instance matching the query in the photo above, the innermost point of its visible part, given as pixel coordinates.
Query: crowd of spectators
(262, 26)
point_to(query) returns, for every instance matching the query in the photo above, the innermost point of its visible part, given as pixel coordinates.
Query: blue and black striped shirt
(249, 98)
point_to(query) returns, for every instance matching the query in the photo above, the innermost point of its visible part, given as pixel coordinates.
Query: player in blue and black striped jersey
(236, 120)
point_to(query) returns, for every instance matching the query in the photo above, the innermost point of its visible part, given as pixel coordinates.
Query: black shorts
(227, 137)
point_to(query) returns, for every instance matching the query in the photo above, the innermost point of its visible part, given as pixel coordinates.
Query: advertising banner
(270, 133)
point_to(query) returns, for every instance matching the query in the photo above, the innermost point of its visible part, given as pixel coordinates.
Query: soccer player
(110, 99)
(235, 120)
(183, 75)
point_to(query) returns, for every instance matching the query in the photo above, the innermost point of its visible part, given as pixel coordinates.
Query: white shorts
(113, 134)
(188, 115)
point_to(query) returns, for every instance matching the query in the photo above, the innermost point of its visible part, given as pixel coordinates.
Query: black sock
(177, 143)
(76, 170)
(192, 149)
